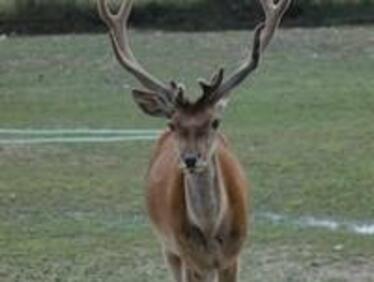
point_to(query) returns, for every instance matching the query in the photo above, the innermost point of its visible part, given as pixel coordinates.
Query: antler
(159, 99)
(117, 24)
(263, 34)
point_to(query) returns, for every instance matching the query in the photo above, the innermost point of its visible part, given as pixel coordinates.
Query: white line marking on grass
(30, 131)
(78, 135)
(76, 140)
(361, 228)
(356, 227)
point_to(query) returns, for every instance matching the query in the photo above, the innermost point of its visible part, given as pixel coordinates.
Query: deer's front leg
(175, 264)
(193, 276)
(229, 274)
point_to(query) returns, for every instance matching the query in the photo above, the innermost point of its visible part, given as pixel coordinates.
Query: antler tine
(249, 65)
(104, 12)
(263, 34)
(117, 24)
(273, 13)
(125, 10)
(214, 83)
(270, 7)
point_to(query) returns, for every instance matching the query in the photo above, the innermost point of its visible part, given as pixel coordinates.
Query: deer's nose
(190, 161)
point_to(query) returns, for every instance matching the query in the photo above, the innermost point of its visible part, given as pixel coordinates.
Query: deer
(197, 194)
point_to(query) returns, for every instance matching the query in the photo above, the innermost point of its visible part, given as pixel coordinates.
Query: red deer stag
(196, 189)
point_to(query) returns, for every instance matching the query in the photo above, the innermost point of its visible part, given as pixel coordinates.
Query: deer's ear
(152, 104)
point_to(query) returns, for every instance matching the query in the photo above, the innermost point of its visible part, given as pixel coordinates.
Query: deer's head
(194, 124)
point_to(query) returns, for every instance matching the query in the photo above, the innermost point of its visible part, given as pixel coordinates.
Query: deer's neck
(206, 198)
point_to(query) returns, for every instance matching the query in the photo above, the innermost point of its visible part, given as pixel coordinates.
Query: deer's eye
(216, 123)
(171, 126)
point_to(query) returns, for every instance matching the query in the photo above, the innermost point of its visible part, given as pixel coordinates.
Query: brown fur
(167, 210)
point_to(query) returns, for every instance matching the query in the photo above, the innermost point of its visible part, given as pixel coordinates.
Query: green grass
(302, 124)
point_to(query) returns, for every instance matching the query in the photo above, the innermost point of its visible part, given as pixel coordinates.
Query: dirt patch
(286, 264)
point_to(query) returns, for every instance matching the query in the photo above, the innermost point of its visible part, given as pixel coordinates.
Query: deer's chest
(206, 252)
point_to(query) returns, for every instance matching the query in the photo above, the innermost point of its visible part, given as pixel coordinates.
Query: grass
(302, 124)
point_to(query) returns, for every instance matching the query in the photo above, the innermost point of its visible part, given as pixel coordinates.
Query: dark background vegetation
(46, 16)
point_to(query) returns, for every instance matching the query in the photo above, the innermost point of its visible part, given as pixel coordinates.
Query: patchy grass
(302, 124)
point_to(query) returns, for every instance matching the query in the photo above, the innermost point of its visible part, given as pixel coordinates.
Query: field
(303, 127)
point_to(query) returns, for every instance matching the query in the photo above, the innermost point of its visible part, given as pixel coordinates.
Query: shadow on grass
(47, 17)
